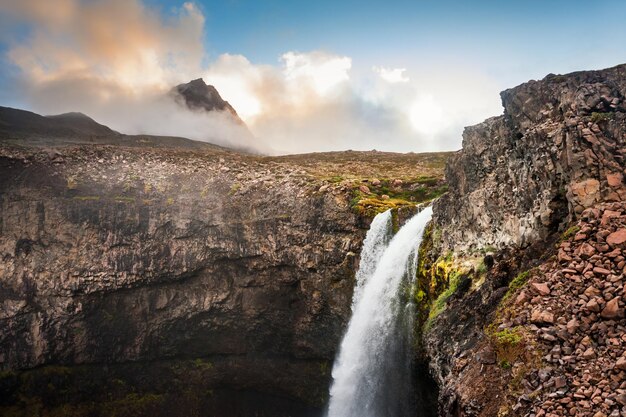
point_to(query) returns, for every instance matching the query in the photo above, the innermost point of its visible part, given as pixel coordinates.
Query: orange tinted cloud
(120, 41)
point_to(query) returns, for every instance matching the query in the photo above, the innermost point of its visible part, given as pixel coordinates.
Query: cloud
(116, 60)
(117, 41)
(322, 71)
(308, 102)
(392, 75)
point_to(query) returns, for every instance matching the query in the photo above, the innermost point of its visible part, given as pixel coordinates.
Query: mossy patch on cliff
(508, 344)
(370, 199)
(442, 278)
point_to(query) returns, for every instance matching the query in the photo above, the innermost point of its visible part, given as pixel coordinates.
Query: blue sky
(304, 75)
(514, 40)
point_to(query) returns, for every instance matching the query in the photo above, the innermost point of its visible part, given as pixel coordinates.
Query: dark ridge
(82, 123)
(26, 128)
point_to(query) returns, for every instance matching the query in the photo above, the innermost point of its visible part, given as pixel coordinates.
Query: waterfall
(372, 373)
(374, 245)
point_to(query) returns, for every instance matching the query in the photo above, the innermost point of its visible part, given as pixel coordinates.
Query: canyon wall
(168, 263)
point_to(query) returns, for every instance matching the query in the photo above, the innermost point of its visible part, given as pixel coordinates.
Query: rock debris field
(572, 314)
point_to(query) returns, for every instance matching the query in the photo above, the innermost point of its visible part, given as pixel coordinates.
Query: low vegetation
(597, 117)
(570, 232)
(508, 344)
(518, 282)
(381, 195)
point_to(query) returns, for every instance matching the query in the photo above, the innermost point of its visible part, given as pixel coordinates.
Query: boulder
(612, 310)
(616, 238)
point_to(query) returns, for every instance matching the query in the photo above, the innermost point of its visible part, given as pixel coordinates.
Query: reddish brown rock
(592, 291)
(589, 353)
(541, 288)
(586, 250)
(364, 189)
(521, 298)
(617, 238)
(592, 305)
(601, 271)
(542, 317)
(608, 215)
(572, 326)
(614, 180)
(563, 256)
(612, 310)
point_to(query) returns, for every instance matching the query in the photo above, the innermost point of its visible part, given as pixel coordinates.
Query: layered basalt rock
(114, 256)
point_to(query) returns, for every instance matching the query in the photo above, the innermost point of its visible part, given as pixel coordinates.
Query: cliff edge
(557, 149)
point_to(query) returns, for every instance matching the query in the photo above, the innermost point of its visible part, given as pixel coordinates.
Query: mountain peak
(198, 95)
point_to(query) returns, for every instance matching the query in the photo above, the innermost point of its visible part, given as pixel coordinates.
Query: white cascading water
(372, 374)
(374, 245)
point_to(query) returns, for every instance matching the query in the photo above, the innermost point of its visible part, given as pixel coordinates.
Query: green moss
(518, 282)
(124, 199)
(435, 280)
(409, 193)
(202, 364)
(87, 198)
(395, 221)
(440, 303)
(597, 117)
(373, 205)
(419, 295)
(427, 180)
(488, 249)
(335, 179)
(481, 269)
(570, 232)
(508, 344)
(508, 337)
(436, 235)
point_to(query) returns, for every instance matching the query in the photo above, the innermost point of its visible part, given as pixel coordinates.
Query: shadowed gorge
(225, 276)
(312, 209)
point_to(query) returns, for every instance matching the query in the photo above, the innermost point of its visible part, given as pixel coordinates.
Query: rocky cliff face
(557, 149)
(172, 281)
(535, 327)
(114, 255)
